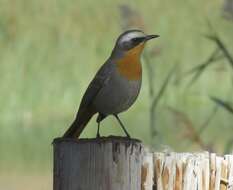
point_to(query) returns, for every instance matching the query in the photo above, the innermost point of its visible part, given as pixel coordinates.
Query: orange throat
(129, 65)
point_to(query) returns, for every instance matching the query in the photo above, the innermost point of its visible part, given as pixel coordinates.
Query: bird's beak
(149, 37)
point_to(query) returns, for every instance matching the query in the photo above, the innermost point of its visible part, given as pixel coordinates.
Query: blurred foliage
(50, 50)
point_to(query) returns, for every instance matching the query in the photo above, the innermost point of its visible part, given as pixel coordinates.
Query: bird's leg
(98, 131)
(98, 120)
(122, 126)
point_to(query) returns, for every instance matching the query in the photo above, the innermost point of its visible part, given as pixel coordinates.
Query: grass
(50, 50)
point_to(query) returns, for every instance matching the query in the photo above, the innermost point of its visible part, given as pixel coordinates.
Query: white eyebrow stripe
(131, 35)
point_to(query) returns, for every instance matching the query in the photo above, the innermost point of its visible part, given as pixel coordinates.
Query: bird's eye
(138, 40)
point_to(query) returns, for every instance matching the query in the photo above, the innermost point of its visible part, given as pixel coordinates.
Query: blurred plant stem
(190, 132)
(226, 105)
(215, 38)
(208, 120)
(154, 99)
(152, 115)
(199, 69)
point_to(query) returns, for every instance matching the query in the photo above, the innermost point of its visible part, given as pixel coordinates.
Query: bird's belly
(117, 96)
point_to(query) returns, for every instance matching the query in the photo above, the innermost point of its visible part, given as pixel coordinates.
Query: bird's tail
(79, 123)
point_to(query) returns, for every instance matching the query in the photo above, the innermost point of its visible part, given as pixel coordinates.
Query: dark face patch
(137, 40)
(127, 45)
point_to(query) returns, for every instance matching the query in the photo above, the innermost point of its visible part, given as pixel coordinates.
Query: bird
(116, 84)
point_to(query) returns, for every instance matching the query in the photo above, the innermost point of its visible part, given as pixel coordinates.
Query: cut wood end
(144, 174)
(113, 139)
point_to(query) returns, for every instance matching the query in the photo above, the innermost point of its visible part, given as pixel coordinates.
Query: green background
(50, 50)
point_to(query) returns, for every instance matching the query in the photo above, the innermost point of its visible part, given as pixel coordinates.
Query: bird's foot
(98, 136)
(128, 136)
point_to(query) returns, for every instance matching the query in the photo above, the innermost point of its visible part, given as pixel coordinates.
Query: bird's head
(131, 39)
(127, 51)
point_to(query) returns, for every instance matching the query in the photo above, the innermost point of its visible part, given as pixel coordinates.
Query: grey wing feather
(100, 79)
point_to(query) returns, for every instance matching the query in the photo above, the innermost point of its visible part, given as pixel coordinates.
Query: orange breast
(129, 66)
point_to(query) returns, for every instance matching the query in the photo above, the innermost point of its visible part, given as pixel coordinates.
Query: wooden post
(110, 163)
(115, 163)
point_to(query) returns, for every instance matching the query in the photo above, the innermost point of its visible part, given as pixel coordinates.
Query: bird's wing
(101, 79)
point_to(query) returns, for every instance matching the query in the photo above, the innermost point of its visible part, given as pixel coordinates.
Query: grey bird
(115, 86)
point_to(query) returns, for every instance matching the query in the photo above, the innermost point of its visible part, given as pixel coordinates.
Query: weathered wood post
(110, 163)
(115, 163)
